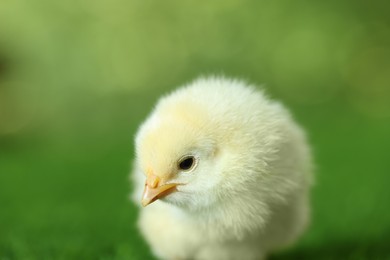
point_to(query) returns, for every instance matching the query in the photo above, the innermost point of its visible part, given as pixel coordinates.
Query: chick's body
(246, 192)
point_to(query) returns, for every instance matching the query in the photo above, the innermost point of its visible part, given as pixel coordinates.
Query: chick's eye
(186, 163)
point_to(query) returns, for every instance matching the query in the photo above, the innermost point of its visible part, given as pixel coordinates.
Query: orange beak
(153, 191)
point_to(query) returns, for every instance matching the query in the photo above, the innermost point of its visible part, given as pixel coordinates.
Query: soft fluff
(248, 193)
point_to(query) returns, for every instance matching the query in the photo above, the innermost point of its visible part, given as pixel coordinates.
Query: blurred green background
(78, 77)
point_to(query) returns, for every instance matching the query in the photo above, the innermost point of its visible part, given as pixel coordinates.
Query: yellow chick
(227, 170)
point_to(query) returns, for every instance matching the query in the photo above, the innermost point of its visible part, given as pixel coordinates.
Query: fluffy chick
(228, 171)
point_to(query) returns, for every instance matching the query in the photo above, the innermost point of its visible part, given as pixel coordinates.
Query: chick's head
(179, 157)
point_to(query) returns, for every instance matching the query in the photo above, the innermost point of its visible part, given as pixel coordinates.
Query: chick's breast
(247, 191)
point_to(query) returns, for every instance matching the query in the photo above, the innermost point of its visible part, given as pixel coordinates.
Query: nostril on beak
(152, 181)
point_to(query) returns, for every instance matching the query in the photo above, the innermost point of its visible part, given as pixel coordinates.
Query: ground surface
(67, 200)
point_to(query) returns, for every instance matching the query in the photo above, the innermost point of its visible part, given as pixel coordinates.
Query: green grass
(78, 77)
(65, 196)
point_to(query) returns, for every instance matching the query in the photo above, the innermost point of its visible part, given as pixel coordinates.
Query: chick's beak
(153, 191)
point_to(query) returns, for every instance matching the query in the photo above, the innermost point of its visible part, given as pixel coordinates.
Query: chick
(227, 170)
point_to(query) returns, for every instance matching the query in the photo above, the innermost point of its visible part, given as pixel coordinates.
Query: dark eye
(187, 163)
